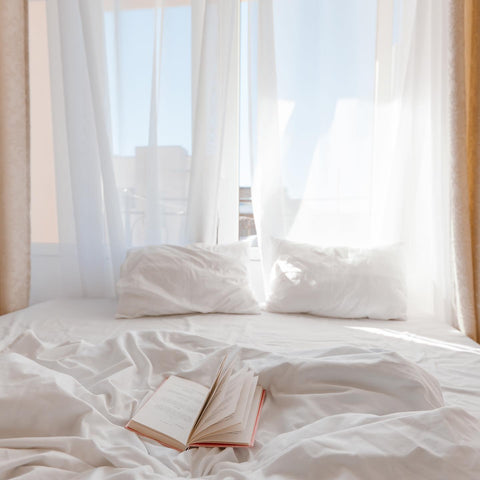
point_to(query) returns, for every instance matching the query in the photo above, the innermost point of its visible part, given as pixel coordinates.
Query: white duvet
(336, 412)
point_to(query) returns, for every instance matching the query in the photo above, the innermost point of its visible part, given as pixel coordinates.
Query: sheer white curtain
(349, 101)
(145, 130)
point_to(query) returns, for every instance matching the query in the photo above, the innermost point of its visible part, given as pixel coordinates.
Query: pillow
(164, 280)
(337, 281)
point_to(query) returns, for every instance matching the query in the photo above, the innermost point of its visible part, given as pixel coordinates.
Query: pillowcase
(337, 281)
(167, 279)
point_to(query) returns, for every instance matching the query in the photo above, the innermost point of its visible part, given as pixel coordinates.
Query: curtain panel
(14, 157)
(465, 173)
(145, 124)
(352, 148)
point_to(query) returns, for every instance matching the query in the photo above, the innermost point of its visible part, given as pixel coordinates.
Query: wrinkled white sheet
(338, 407)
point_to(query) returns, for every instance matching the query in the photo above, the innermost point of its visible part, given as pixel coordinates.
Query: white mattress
(345, 398)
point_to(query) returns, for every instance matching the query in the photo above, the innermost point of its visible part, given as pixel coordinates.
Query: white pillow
(167, 279)
(337, 281)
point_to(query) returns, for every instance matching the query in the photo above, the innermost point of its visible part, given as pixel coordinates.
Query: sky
(324, 52)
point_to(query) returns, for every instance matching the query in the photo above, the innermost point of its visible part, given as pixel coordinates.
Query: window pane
(324, 77)
(150, 68)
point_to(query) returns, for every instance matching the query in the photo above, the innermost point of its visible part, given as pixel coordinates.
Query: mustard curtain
(14, 157)
(465, 130)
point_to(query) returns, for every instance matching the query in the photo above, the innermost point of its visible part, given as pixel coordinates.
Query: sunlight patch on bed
(412, 337)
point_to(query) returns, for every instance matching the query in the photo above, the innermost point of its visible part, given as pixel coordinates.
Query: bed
(346, 399)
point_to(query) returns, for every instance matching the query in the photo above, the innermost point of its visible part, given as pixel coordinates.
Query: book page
(223, 374)
(244, 437)
(235, 422)
(238, 420)
(173, 408)
(225, 402)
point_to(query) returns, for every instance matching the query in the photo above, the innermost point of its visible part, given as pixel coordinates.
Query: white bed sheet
(345, 400)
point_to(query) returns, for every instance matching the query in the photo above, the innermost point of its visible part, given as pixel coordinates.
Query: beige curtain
(14, 157)
(465, 130)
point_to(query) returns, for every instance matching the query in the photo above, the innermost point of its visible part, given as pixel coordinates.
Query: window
(323, 83)
(313, 108)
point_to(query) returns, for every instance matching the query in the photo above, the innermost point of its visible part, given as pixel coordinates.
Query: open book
(183, 414)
